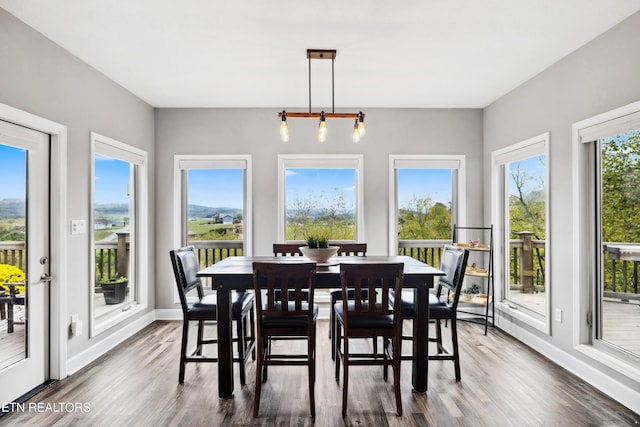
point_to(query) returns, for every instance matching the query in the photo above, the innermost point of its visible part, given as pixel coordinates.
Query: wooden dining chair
(185, 266)
(293, 318)
(287, 249)
(370, 315)
(346, 249)
(443, 306)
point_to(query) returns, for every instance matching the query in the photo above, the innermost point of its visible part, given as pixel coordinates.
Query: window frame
(320, 161)
(184, 162)
(104, 145)
(585, 270)
(537, 145)
(455, 162)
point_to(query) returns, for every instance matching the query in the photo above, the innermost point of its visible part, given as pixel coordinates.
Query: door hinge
(590, 318)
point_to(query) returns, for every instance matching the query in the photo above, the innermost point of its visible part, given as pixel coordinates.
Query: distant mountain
(15, 208)
(12, 208)
(198, 211)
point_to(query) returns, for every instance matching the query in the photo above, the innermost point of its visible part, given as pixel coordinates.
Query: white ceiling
(252, 53)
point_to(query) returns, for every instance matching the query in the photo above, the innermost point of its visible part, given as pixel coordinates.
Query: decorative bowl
(319, 255)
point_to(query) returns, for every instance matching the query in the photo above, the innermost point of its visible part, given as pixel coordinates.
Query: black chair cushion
(408, 307)
(374, 322)
(440, 312)
(206, 308)
(288, 321)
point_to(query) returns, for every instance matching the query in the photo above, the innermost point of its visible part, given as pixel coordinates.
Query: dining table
(236, 274)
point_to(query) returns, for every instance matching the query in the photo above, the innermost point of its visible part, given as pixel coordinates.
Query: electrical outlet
(558, 315)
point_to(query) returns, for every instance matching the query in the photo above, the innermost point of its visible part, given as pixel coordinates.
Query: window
(213, 205)
(118, 231)
(608, 171)
(427, 198)
(520, 176)
(321, 194)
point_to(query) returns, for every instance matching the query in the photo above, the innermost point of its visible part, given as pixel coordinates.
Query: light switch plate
(78, 226)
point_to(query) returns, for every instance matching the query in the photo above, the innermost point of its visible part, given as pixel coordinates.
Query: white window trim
(583, 236)
(140, 158)
(182, 162)
(319, 161)
(536, 145)
(424, 161)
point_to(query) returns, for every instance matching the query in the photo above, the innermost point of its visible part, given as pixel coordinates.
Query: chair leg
(333, 326)
(252, 328)
(311, 345)
(439, 336)
(256, 397)
(264, 353)
(338, 336)
(241, 347)
(183, 350)
(200, 337)
(397, 357)
(456, 354)
(345, 377)
(385, 368)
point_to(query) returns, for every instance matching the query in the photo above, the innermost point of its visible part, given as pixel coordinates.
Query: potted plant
(470, 293)
(318, 248)
(114, 289)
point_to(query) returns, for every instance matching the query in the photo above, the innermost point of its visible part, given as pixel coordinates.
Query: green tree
(421, 219)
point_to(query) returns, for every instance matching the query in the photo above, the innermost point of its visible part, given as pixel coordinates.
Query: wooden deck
(504, 383)
(622, 325)
(12, 345)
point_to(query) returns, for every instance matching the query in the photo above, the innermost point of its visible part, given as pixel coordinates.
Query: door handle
(45, 278)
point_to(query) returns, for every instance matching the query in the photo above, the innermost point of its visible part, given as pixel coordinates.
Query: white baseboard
(168, 314)
(82, 359)
(629, 397)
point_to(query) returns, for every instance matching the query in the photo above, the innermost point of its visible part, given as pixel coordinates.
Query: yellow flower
(11, 274)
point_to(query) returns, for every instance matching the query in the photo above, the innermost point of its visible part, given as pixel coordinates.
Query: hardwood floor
(504, 383)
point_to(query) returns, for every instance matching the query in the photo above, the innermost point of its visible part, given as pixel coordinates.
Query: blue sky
(216, 187)
(12, 172)
(421, 183)
(112, 179)
(535, 169)
(320, 185)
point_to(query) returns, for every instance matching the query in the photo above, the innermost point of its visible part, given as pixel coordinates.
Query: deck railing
(622, 280)
(12, 253)
(427, 251)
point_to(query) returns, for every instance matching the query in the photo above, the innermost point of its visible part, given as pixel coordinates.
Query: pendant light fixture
(358, 128)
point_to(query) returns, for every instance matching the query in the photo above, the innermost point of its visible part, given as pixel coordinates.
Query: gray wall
(41, 78)
(255, 132)
(599, 77)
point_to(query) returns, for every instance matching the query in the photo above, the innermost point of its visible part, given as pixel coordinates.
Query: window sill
(111, 319)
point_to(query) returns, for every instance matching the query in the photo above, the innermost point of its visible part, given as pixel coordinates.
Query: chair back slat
(379, 280)
(287, 280)
(287, 249)
(352, 249)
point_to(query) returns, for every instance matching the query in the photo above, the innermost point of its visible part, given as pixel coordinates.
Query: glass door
(24, 267)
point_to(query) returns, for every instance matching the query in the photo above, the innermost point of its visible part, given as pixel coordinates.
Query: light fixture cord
(333, 91)
(309, 84)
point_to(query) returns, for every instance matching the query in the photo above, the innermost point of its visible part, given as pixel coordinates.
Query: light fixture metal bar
(327, 115)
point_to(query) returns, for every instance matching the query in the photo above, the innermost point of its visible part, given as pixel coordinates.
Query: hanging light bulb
(356, 132)
(361, 128)
(322, 128)
(284, 127)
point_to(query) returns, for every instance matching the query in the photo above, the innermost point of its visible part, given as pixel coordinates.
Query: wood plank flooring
(504, 383)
